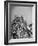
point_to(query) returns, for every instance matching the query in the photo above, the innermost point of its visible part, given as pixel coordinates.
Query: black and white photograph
(20, 22)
